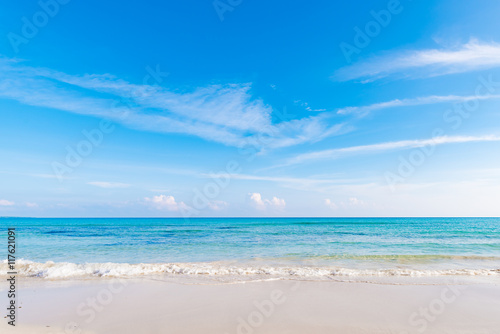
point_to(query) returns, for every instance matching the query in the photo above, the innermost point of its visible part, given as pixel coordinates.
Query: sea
(243, 248)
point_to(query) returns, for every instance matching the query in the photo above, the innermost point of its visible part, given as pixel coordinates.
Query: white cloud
(402, 144)
(226, 114)
(352, 202)
(433, 99)
(164, 202)
(263, 204)
(277, 202)
(471, 56)
(31, 205)
(4, 202)
(109, 184)
(257, 199)
(331, 204)
(218, 205)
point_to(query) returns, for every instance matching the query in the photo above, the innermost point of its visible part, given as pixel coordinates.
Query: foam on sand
(66, 270)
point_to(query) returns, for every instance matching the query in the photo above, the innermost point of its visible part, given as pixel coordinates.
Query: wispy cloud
(4, 202)
(169, 203)
(286, 180)
(387, 146)
(424, 63)
(330, 204)
(218, 205)
(48, 176)
(226, 114)
(351, 203)
(418, 101)
(109, 184)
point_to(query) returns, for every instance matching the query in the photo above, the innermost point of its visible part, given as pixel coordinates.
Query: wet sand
(152, 305)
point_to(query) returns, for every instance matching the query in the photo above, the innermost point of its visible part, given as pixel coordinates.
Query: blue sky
(249, 108)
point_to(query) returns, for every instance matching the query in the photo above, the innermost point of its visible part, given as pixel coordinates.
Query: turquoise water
(178, 240)
(255, 248)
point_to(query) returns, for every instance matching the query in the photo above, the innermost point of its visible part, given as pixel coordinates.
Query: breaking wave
(65, 270)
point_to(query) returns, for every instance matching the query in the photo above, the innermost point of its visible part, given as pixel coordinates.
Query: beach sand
(152, 305)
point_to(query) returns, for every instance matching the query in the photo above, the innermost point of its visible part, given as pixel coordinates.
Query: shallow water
(273, 246)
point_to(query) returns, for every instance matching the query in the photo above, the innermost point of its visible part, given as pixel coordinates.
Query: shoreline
(257, 270)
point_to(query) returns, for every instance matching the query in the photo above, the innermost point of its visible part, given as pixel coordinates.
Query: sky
(237, 108)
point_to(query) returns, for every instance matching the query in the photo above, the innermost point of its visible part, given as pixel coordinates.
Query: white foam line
(51, 270)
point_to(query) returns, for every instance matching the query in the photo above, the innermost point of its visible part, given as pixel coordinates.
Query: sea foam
(66, 270)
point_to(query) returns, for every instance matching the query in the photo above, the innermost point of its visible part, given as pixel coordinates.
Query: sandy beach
(153, 305)
(250, 167)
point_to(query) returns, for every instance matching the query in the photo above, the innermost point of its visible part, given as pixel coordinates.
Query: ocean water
(272, 247)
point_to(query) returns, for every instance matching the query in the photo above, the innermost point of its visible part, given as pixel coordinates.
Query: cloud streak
(471, 56)
(418, 101)
(286, 180)
(388, 146)
(109, 185)
(226, 114)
